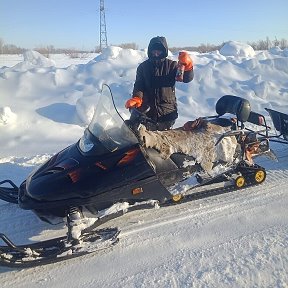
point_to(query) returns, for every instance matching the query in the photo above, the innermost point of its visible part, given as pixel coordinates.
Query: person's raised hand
(185, 59)
(133, 102)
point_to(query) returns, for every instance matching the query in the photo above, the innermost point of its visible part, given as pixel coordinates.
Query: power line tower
(103, 32)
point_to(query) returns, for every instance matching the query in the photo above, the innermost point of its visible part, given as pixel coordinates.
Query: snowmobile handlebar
(139, 117)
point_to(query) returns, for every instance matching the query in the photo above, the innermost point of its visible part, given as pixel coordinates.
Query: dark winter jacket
(155, 83)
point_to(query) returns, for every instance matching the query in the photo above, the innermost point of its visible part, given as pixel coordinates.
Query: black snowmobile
(109, 165)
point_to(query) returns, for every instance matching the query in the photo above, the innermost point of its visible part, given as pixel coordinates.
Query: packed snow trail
(217, 239)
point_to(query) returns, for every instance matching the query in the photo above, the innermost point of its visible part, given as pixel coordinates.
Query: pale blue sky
(75, 23)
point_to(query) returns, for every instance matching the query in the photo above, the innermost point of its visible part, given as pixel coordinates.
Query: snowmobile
(111, 166)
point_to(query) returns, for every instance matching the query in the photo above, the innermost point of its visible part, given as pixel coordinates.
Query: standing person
(155, 84)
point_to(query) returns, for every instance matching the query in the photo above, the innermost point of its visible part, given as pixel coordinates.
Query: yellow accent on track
(177, 197)
(260, 176)
(240, 181)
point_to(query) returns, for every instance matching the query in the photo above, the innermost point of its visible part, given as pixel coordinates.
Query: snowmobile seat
(180, 158)
(159, 163)
(280, 122)
(234, 105)
(175, 161)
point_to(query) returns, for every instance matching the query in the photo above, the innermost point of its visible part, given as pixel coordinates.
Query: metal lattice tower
(103, 32)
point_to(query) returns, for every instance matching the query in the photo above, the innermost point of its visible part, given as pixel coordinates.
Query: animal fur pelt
(199, 142)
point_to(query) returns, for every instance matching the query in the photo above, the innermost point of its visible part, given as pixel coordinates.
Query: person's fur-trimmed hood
(159, 43)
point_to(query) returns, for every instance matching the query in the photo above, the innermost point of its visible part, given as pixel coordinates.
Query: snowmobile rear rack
(280, 122)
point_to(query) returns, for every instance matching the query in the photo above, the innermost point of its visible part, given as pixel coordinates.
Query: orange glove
(133, 102)
(185, 60)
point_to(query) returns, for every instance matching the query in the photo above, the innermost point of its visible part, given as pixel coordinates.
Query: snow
(7, 116)
(233, 48)
(232, 240)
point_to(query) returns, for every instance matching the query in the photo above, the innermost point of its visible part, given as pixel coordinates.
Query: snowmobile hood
(159, 43)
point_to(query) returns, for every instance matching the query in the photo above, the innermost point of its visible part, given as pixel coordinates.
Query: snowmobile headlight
(85, 144)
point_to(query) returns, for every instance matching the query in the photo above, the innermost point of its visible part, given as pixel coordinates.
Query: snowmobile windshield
(108, 126)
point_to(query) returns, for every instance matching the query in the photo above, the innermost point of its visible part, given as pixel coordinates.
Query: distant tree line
(10, 48)
(256, 45)
(202, 48)
(267, 44)
(76, 53)
(44, 50)
(71, 52)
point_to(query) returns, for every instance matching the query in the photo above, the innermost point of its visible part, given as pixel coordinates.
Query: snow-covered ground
(232, 240)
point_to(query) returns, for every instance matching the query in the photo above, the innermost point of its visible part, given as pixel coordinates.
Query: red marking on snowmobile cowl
(129, 156)
(99, 164)
(74, 175)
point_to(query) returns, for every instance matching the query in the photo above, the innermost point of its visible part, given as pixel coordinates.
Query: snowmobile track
(224, 205)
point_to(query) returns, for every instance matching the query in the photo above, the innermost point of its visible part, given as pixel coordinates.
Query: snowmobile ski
(55, 250)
